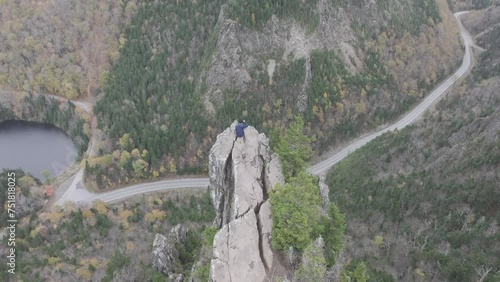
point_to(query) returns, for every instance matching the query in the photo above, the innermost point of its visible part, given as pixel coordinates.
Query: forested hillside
(111, 242)
(463, 5)
(188, 69)
(49, 110)
(150, 105)
(29, 200)
(422, 203)
(62, 47)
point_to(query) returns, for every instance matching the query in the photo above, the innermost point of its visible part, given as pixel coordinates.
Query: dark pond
(35, 147)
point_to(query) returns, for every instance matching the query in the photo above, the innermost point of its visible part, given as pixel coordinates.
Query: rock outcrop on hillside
(165, 254)
(242, 53)
(241, 175)
(241, 50)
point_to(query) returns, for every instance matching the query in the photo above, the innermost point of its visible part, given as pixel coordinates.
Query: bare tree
(483, 272)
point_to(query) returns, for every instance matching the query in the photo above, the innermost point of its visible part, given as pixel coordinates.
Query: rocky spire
(241, 175)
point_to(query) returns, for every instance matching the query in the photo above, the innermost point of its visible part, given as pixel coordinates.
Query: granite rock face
(236, 255)
(241, 175)
(324, 191)
(240, 50)
(165, 254)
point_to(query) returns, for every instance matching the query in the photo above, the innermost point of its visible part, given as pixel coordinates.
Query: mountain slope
(60, 47)
(182, 78)
(422, 203)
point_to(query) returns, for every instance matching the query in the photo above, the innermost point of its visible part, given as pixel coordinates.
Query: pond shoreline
(34, 146)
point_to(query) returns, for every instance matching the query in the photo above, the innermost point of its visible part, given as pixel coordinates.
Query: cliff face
(241, 174)
(242, 54)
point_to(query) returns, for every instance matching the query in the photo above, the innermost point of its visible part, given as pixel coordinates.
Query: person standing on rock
(240, 129)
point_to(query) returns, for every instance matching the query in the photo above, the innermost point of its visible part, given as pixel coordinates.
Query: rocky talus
(241, 175)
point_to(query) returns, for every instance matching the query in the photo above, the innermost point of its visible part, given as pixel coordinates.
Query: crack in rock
(241, 175)
(259, 231)
(243, 214)
(226, 202)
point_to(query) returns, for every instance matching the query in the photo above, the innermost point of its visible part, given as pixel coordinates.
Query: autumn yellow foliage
(84, 273)
(53, 260)
(155, 215)
(100, 206)
(59, 266)
(87, 214)
(55, 217)
(125, 214)
(130, 246)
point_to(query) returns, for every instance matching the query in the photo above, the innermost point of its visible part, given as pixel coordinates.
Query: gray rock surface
(236, 255)
(227, 65)
(265, 224)
(248, 169)
(241, 174)
(220, 172)
(274, 173)
(324, 191)
(165, 254)
(240, 50)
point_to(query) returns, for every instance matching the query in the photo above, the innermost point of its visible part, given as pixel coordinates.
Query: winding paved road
(78, 193)
(412, 115)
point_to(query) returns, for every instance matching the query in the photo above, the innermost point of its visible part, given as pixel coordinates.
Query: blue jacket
(239, 129)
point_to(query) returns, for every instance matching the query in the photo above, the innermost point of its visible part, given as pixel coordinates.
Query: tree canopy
(293, 147)
(333, 233)
(295, 207)
(313, 266)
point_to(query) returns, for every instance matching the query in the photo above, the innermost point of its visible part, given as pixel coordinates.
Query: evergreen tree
(295, 207)
(333, 233)
(356, 275)
(293, 147)
(313, 266)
